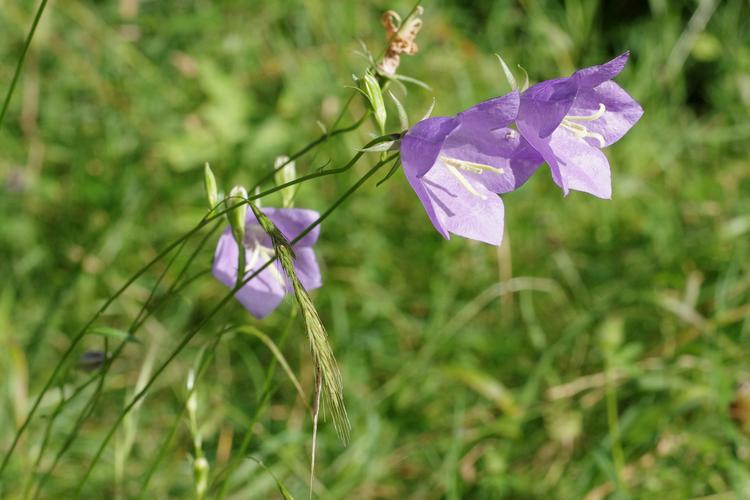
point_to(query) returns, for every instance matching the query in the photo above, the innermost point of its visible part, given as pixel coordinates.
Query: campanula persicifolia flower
(568, 121)
(262, 294)
(458, 165)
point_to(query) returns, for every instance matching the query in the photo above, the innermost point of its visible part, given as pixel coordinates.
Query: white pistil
(580, 131)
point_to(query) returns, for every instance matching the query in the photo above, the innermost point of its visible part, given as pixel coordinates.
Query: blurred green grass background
(601, 329)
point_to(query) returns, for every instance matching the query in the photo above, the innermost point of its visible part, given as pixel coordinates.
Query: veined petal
(259, 302)
(421, 145)
(260, 295)
(595, 75)
(542, 146)
(224, 267)
(478, 216)
(524, 162)
(424, 197)
(491, 114)
(544, 105)
(580, 165)
(622, 111)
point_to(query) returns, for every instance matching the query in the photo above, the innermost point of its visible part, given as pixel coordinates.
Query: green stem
(613, 422)
(184, 342)
(45, 440)
(320, 173)
(323, 138)
(19, 64)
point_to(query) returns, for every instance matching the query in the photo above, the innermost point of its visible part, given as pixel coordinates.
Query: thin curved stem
(323, 138)
(19, 65)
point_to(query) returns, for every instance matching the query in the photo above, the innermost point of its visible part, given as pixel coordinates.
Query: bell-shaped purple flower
(457, 165)
(569, 120)
(262, 294)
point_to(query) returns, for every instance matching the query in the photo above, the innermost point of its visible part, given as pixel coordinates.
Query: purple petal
(224, 267)
(524, 162)
(262, 293)
(476, 216)
(424, 196)
(622, 111)
(291, 222)
(421, 144)
(595, 75)
(491, 114)
(259, 302)
(544, 105)
(542, 146)
(581, 166)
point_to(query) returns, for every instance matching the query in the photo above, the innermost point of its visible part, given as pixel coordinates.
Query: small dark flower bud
(91, 360)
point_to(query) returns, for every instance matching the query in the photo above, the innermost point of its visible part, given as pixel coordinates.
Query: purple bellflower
(458, 164)
(262, 294)
(568, 121)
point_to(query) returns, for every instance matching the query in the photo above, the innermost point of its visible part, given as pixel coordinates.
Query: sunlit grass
(456, 384)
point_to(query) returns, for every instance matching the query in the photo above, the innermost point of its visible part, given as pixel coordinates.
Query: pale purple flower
(569, 120)
(457, 164)
(263, 293)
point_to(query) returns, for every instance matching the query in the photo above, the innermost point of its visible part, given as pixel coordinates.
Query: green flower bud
(238, 214)
(200, 472)
(375, 95)
(611, 334)
(192, 402)
(209, 183)
(285, 174)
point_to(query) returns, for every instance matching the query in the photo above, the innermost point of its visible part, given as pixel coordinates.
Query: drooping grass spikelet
(324, 361)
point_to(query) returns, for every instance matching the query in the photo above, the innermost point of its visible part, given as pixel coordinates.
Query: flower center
(256, 250)
(571, 122)
(455, 166)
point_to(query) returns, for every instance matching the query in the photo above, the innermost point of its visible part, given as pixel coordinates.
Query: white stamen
(580, 131)
(469, 166)
(252, 259)
(589, 118)
(256, 250)
(597, 137)
(277, 274)
(462, 180)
